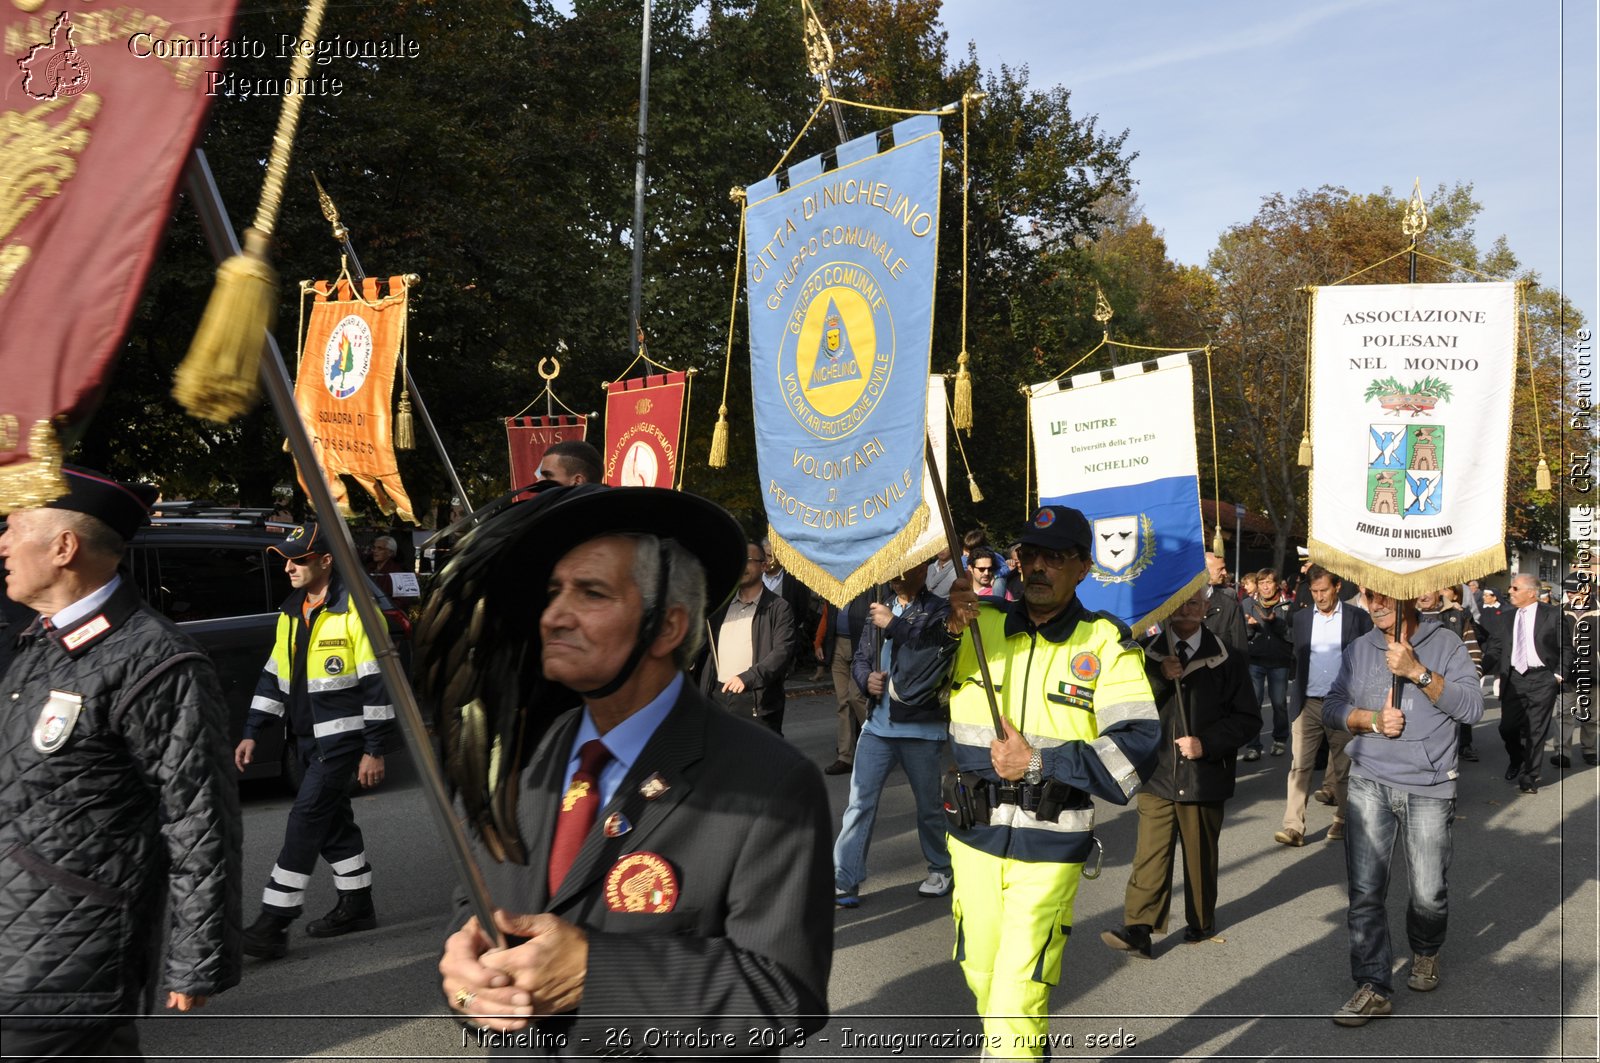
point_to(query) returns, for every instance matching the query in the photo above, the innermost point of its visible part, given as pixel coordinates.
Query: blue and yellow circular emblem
(838, 350)
(1085, 666)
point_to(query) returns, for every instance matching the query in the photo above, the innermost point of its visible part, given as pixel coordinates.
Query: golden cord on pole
(1541, 474)
(961, 413)
(719, 434)
(1305, 437)
(1216, 466)
(405, 433)
(218, 378)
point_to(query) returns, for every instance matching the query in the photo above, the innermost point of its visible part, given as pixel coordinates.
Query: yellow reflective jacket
(1075, 688)
(323, 678)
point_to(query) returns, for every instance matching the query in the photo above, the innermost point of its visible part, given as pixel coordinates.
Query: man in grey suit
(677, 875)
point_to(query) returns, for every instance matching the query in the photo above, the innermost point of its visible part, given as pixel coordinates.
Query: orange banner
(644, 417)
(345, 386)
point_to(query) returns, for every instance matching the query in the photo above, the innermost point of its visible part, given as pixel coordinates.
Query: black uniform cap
(1057, 528)
(122, 507)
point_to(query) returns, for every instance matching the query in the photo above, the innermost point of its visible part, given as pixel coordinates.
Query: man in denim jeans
(1402, 782)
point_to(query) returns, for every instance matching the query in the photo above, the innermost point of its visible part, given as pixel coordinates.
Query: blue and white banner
(841, 278)
(1119, 445)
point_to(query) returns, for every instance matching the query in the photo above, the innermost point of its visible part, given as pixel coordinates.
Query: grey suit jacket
(744, 824)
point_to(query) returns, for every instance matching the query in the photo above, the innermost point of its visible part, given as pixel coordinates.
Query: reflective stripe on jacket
(1075, 688)
(348, 704)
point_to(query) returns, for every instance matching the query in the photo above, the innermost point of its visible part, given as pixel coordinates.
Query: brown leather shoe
(838, 767)
(1325, 796)
(1289, 837)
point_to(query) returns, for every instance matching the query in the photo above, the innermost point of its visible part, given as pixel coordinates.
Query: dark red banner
(529, 437)
(644, 417)
(100, 112)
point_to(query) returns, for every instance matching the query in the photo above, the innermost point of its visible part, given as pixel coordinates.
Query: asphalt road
(1518, 970)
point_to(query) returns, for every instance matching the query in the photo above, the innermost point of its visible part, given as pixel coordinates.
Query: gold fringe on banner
(1170, 606)
(1485, 562)
(886, 564)
(219, 377)
(30, 484)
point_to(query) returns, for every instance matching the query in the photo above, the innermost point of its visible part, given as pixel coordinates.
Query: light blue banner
(841, 278)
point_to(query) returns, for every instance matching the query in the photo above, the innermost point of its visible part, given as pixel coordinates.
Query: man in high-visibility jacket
(322, 682)
(1079, 721)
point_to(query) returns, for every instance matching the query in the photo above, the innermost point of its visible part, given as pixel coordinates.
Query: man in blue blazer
(1320, 635)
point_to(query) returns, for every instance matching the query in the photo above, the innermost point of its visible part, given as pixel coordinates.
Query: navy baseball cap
(303, 540)
(1057, 528)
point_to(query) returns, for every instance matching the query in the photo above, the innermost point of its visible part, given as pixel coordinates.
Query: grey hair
(394, 547)
(686, 587)
(94, 535)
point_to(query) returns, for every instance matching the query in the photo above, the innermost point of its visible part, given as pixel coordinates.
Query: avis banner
(1411, 389)
(529, 437)
(644, 421)
(345, 385)
(1119, 446)
(841, 281)
(99, 104)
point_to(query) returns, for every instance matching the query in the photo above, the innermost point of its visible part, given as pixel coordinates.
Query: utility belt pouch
(1055, 795)
(958, 800)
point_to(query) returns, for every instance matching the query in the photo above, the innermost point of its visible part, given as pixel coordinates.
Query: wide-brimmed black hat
(477, 650)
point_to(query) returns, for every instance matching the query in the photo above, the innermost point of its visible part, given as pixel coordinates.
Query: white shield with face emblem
(1116, 542)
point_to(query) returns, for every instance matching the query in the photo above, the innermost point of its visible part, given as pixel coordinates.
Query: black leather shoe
(268, 937)
(1468, 753)
(353, 912)
(1561, 760)
(1133, 940)
(1512, 772)
(1591, 759)
(838, 767)
(1527, 788)
(1194, 935)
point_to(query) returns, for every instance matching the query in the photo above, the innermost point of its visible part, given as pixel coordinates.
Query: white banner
(932, 540)
(1411, 388)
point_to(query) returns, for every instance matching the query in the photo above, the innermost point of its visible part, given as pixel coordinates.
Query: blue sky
(1228, 101)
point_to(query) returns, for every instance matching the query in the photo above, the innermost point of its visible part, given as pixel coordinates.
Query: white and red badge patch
(641, 882)
(86, 632)
(56, 720)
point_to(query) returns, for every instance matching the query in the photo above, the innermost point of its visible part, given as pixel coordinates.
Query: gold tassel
(719, 440)
(404, 434)
(961, 414)
(1216, 541)
(219, 377)
(1305, 450)
(972, 489)
(1541, 478)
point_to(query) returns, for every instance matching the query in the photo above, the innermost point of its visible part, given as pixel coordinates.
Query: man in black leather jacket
(116, 798)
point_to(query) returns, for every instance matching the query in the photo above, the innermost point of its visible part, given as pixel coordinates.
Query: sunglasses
(1027, 555)
(301, 562)
(983, 568)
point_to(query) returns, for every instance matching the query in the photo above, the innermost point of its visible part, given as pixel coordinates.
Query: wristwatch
(1035, 770)
(1425, 679)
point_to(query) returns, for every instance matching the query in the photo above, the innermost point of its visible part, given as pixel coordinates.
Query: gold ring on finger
(465, 997)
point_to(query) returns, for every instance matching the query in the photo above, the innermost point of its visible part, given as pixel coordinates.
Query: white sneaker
(937, 884)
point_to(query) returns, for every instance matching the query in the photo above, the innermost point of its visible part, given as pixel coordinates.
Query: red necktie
(578, 810)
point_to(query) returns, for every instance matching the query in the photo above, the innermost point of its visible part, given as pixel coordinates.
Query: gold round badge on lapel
(641, 882)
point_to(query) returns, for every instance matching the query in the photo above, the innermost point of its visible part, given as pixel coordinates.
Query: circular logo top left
(348, 357)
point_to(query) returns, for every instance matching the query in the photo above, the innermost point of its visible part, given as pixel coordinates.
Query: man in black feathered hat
(116, 798)
(661, 857)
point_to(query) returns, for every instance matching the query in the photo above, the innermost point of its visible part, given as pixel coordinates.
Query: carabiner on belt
(1099, 859)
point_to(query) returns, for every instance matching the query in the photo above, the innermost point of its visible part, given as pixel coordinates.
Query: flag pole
(222, 242)
(954, 544)
(341, 233)
(636, 289)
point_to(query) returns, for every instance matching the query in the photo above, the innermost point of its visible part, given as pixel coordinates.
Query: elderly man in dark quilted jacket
(116, 795)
